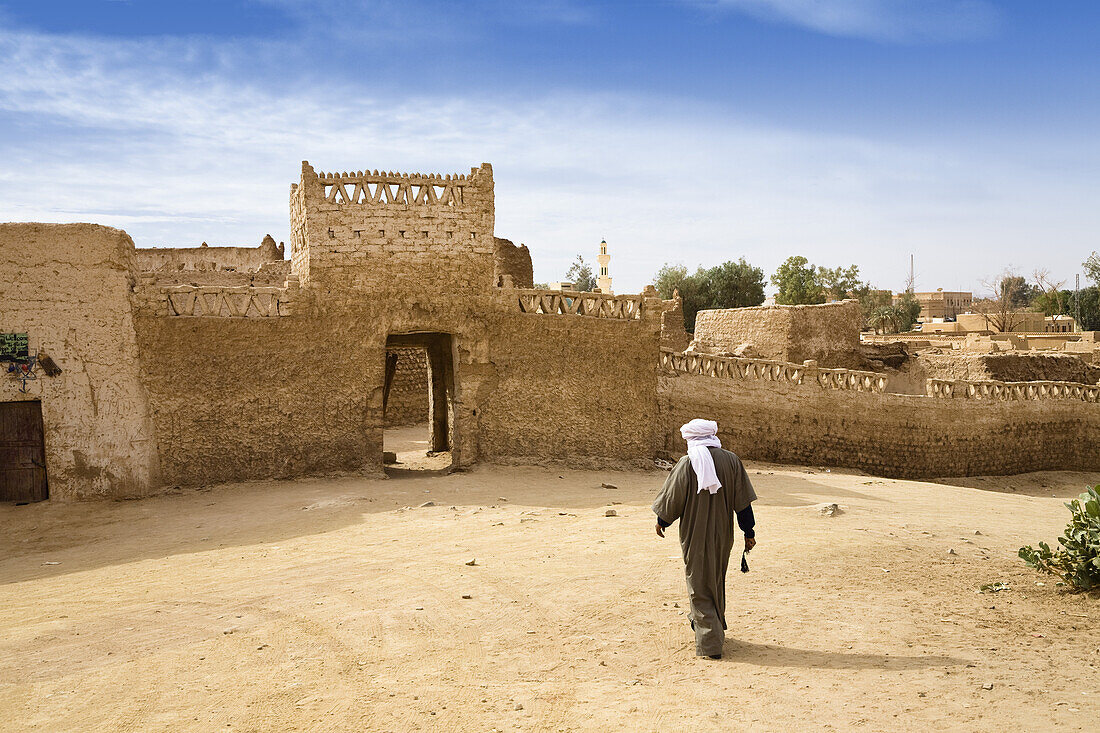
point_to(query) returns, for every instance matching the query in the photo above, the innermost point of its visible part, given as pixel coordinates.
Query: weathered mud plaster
(68, 287)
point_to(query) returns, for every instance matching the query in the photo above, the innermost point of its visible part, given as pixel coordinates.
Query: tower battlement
(364, 228)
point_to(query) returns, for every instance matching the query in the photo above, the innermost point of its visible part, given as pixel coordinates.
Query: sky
(962, 132)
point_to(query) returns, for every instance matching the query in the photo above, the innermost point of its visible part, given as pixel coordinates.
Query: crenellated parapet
(368, 230)
(367, 188)
(734, 367)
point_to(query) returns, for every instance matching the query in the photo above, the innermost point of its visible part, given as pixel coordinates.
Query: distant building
(1021, 322)
(560, 286)
(940, 304)
(603, 280)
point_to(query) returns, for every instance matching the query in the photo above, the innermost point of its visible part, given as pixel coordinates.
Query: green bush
(1077, 561)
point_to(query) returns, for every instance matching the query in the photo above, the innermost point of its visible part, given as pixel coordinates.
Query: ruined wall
(840, 418)
(514, 262)
(828, 333)
(673, 334)
(408, 398)
(208, 259)
(67, 286)
(1007, 367)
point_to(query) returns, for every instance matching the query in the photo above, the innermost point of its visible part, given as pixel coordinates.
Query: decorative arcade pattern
(992, 390)
(575, 303)
(733, 367)
(227, 302)
(380, 189)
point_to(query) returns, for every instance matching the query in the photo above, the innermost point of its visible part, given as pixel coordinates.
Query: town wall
(820, 417)
(828, 333)
(67, 286)
(261, 382)
(572, 387)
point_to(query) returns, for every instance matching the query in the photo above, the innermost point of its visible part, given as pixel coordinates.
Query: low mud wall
(789, 414)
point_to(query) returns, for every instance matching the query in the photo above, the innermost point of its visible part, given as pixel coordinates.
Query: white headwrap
(700, 435)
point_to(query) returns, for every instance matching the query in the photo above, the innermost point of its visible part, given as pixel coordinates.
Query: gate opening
(22, 453)
(418, 402)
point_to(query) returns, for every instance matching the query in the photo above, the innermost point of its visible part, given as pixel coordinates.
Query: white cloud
(115, 133)
(905, 21)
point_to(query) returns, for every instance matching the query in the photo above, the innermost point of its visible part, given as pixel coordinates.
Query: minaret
(603, 282)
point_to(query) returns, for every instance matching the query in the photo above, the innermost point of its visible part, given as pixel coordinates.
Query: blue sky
(683, 131)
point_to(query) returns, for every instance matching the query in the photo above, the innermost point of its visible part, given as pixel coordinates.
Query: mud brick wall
(892, 435)
(828, 333)
(394, 232)
(67, 286)
(572, 387)
(208, 259)
(256, 398)
(408, 398)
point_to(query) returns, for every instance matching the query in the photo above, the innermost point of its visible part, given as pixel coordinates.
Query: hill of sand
(342, 604)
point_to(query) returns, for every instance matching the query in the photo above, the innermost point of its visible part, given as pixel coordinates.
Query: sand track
(337, 604)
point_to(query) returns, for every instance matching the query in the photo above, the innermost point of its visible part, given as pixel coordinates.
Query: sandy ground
(412, 444)
(342, 604)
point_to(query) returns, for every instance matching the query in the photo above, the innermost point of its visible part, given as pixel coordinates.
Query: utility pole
(1077, 302)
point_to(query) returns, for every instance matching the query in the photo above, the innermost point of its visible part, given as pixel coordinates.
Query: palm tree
(882, 318)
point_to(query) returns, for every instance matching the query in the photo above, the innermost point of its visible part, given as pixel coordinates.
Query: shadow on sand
(771, 655)
(50, 538)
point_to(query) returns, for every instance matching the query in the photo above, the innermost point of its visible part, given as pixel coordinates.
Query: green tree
(907, 310)
(1087, 306)
(734, 285)
(1016, 291)
(838, 282)
(798, 283)
(871, 298)
(883, 318)
(669, 279)
(729, 285)
(1092, 267)
(580, 274)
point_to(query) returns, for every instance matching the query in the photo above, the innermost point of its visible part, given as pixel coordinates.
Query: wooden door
(22, 452)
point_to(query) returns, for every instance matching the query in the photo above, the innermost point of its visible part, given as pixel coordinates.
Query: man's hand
(660, 531)
(750, 542)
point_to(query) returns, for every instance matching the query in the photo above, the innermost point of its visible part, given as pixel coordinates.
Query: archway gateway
(421, 446)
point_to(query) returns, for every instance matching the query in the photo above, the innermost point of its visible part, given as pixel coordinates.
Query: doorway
(418, 402)
(22, 453)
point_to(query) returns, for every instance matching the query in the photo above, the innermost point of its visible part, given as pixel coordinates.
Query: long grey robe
(707, 524)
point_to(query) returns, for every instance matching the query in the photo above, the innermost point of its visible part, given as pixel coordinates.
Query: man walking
(705, 491)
